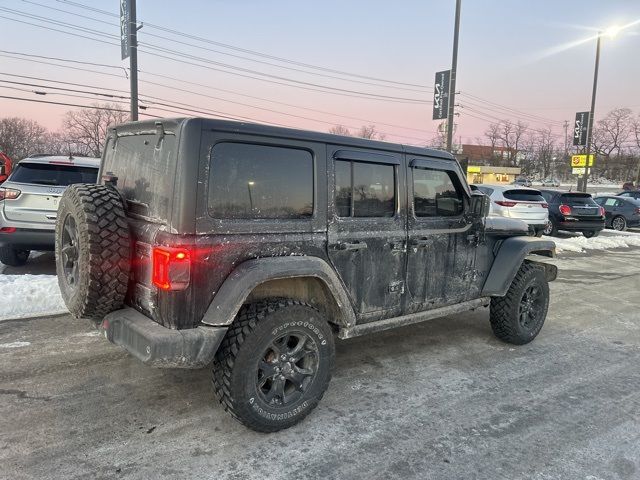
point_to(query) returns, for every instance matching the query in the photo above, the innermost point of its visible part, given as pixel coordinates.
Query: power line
(275, 79)
(489, 118)
(504, 107)
(248, 51)
(68, 104)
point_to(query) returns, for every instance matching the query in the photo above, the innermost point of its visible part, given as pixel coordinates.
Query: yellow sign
(473, 169)
(581, 160)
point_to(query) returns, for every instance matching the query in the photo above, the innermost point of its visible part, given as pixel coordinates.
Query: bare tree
(340, 130)
(609, 136)
(87, 128)
(370, 132)
(511, 136)
(493, 135)
(20, 137)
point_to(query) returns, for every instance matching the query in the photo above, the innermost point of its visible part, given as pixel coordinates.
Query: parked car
(522, 181)
(630, 194)
(257, 243)
(522, 203)
(621, 212)
(551, 182)
(573, 212)
(29, 202)
(5, 167)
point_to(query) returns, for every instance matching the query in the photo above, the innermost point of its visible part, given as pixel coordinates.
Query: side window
(610, 202)
(365, 189)
(599, 200)
(435, 194)
(249, 181)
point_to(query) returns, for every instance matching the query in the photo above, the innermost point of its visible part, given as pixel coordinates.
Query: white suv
(29, 202)
(523, 203)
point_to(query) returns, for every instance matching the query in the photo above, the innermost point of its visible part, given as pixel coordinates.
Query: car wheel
(13, 257)
(591, 233)
(539, 232)
(274, 364)
(550, 229)
(518, 316)
(92, 250)
(619, 223)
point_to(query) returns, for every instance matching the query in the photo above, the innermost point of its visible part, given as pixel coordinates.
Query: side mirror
(479, 205)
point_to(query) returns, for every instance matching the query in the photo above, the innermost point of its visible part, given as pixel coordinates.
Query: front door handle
(351, 246)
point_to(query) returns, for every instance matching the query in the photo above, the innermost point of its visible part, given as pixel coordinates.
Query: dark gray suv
(248, 248)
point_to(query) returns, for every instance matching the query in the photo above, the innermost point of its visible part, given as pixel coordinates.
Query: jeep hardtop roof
(175, 124)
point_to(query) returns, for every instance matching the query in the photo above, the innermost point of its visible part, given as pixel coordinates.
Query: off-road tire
(505, 311)
(13, 257)
(235, 367)
(591, 233)
(103, 245)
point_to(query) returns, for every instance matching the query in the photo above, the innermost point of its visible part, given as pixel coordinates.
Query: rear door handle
(351, 246)
(51, 217)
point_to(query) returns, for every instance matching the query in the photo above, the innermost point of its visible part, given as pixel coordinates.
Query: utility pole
(452, 82)
(133, 60)
(591, 114)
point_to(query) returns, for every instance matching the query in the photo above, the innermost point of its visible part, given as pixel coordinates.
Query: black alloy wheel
(70, 251)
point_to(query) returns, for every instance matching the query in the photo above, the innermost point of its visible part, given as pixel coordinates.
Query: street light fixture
(610, 32)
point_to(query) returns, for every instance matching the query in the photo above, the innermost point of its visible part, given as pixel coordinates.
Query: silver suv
(29, 202)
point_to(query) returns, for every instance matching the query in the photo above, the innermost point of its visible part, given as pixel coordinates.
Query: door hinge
(396, 287)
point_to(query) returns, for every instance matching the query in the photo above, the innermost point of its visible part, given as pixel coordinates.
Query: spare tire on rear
(92, 250)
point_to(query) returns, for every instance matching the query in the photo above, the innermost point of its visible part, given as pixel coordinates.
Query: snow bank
(606, 240)
(29, 295)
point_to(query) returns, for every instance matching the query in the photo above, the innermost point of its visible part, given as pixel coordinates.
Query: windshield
(577, 199)
(52, 174)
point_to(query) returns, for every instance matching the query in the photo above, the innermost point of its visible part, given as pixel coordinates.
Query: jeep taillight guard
(171, 267)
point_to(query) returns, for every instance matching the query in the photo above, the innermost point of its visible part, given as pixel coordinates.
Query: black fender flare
(251, 273)
(512, 252)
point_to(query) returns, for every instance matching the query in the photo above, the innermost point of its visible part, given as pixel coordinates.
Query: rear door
(367, 229)
(41, 185)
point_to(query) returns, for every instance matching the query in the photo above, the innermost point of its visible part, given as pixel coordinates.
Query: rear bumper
(29, 239)
(158, 346)
(580, 225)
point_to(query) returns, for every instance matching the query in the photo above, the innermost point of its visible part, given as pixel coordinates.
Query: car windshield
(523, 195)
(577, 199)
(53, 174)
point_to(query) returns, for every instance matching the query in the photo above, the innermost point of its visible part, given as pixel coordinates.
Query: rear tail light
(9, 193)
(7, 230)
(603, 212)
(505, 203)
(544, 205)
(637, 212)
(171, 268)
(565, 209)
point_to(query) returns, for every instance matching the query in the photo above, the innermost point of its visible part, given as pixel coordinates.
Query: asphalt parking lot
(440, 400)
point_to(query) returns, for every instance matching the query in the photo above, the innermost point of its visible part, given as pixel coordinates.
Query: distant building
(492, 175)
(481, 163)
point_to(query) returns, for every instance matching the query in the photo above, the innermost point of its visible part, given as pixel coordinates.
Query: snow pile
(29, 295)
(605, 241)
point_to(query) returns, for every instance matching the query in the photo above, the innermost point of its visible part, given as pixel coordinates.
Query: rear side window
(485, 190)
(249, 181)
(365, 189)
(548, 196)
(523, 195)
(611, 202)
(576, 199)
(52, 174)
(435, 194)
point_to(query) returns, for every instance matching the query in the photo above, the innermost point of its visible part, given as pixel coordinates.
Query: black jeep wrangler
(248, 248)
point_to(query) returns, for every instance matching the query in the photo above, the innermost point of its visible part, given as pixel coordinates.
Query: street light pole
(591, 114)
(452, 80)
(133, 61)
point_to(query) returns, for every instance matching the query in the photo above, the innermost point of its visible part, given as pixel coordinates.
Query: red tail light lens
(9, 193)
(505, 203)
(171, 268)
(565, 209)
(544, 205)
(603, 212)
(8, 230)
